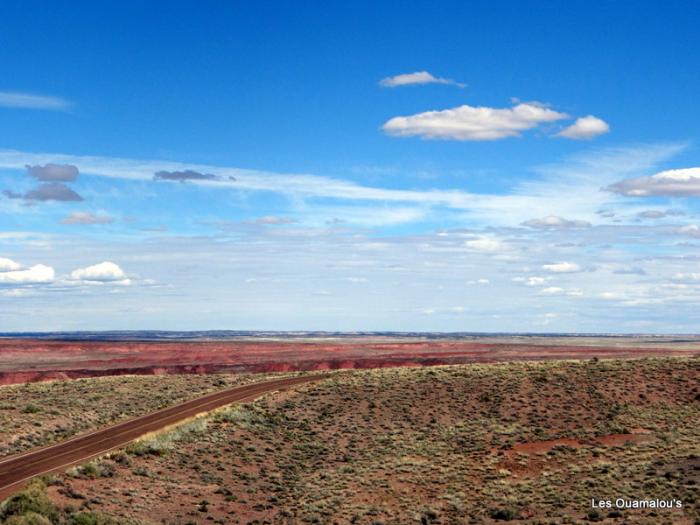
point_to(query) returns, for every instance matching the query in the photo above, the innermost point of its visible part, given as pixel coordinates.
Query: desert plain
(534, 430)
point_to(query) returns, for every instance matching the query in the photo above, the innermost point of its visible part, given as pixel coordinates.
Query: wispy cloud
(553, 222)
(16, 99)
(183, 176)
(274, 220)
(548, 190)
(419, 77)
(86, 218)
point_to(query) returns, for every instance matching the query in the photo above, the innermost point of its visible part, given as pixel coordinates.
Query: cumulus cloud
(104, 272)
(473, 123)
(553, 222)
(419, 77)
(80, 217)
(52, 191)
(585, 128)
(670, 183)
(7, 265)
(15, 99)
(37, 274)
(53, 172)
(562, 267)
(183, 176)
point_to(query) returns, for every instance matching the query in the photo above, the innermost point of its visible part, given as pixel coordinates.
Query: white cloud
(15, 99)
(553, 222)
(427, 268)
(367, 216)
(479, 282)
(687, 277)
(550, 189)
(357, 279)
(14, 292)
(104, 272)
(485, 244)
(37, 274)
(585, 128)
(419, 77)
(562, 267)
(535, 281)
(670, 183)
(473, 123)
(691, 230)
(552, 290)
(7, 265)
(556, 290)
(80, 217)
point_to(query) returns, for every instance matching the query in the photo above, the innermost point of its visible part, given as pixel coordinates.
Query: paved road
(18, 469)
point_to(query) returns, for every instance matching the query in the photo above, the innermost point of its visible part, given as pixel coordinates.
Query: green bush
(30, 518)
(33, 500)
(506, 514)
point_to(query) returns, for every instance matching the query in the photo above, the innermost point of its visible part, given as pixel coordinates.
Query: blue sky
(502, 166)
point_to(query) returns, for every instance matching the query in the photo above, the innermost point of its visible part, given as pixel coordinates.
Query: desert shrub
(30, 518)
(92, 470)
(33, 500)
(505, 514)
(163, 443)
(91, 518)
(594, 515)
(31, 409)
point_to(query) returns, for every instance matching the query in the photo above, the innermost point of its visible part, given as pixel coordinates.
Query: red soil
(529, 459)
(25, 360)
(610, 440)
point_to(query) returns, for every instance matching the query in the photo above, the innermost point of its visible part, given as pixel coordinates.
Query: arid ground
(530, 442)
(24, 360)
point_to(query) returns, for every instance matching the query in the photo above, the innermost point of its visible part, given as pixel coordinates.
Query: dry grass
(36, 414)
(431, 445)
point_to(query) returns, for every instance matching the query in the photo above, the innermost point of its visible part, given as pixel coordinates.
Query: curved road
(18, 469)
